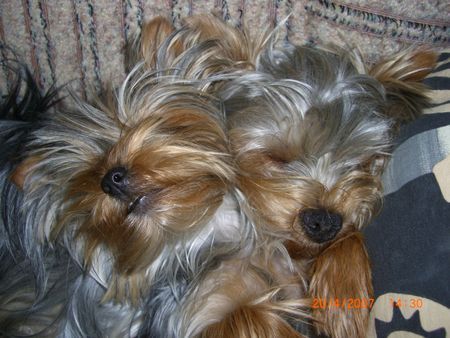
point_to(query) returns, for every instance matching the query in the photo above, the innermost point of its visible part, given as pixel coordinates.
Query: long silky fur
(401, 75)
(27, 270)
(48, 286)
(208, 50)
(42, 288)
(21, 112)
(166, 310)
(203, 47)
(312, 128)
(78, 289)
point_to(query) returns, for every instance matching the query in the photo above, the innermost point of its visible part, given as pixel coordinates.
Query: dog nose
(321, 225)
(115, 182)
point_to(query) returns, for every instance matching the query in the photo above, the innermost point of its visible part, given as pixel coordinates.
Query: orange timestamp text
(411, 302)
(343, 303)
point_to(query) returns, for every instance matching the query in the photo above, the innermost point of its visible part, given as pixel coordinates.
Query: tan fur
(20, 173)
(254, 309)
(145, 45)
(236, 44)
(229, 49)
(153, 35)
(277, 196)
(177, 160)
(401, 75)
(342, 273)
(282, 171)
(166, 167)
(251, 322)
(246, 301)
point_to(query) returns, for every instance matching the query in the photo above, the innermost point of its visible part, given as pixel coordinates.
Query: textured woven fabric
(80, 42)
(409, 242)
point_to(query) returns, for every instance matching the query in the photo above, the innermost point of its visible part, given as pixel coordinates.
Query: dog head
(310, 133)
(131, 176)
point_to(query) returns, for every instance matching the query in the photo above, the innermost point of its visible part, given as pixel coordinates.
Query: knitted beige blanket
(80, 42)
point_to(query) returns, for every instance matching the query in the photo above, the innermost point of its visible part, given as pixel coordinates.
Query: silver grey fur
(57, 297)
(45, 289)
(298, 83)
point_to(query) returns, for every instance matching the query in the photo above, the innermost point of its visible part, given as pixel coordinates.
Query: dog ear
(153, 35)
(236, 43)
(145, 45)
(341, 288)
(401, 76)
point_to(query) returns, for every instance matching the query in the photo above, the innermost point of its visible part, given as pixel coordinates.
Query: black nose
(321, 225)
(115, 183)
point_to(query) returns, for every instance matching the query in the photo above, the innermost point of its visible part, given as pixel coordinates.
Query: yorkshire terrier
(108, 201)
(151, 212)
(310, 130)
(249, 293)
(120, 216)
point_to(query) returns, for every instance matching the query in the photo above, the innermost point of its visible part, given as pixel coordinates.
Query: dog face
(311, 131)
(133, 176)
(308, 146)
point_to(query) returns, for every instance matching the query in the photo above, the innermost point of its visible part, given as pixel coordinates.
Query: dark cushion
(409, 242)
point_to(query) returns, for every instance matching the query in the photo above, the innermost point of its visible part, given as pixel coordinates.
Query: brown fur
(342, 272)
(401, 75)
(254, 309)
(251, 322)
(339, 269)
(153, 35)
(226, 48)
(145, 46)
(277, 195)
(252, 304)
(236, 45)
(357, 198)
(20, 173)
(178, 161)
(177, 176)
